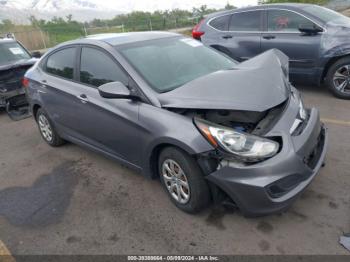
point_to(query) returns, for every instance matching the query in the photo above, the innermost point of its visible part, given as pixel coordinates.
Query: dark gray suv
(315, 39)
(171, 107)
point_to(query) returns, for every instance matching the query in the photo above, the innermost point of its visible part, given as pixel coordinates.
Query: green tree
(69, 18)
(228, 6)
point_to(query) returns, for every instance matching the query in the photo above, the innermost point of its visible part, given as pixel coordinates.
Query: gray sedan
(210, 128)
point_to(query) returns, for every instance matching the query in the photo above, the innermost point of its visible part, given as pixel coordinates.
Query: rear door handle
(227, 36)
(83, 98)
(269, 37)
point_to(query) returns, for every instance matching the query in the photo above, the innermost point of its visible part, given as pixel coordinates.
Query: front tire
(183, 180)
(47, 130)
(338, 78)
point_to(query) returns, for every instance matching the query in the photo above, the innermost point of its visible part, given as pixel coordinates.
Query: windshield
(169, 63)
(12, 52)
(326, 14)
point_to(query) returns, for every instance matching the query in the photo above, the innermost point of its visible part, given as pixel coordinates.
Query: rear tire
(338, 78)
(185, 179)
(47, 129)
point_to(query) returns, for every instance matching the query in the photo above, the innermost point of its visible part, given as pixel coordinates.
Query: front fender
(337, 51)
(161, 127)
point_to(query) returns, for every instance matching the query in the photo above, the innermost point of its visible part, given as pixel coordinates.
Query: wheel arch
(35, 109)
(223, 50)
(152, 165)
(330, 63)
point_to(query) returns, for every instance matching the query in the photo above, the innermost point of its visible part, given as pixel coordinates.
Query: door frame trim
(266, 31)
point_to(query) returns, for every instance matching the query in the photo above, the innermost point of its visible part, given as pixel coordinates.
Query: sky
(151, 5)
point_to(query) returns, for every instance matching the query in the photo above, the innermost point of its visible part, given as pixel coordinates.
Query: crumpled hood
(15, 64)
(254, 85)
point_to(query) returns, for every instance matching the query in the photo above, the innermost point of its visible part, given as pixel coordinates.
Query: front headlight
(247, 147)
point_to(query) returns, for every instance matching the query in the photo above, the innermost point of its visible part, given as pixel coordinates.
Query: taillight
(196, 34)
(25, 82)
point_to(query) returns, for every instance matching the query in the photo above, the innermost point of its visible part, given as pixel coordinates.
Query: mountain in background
(19, 11)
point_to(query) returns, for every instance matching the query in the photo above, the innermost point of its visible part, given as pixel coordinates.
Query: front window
(170, 63)
(12, 52)
(97, 68)
(286, 21)
(326, 14)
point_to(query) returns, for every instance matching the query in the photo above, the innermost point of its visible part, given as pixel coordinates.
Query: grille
(312, 159)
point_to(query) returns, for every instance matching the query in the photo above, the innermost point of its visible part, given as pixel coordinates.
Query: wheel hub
(341, 79)
(176, 181)
(45, 128)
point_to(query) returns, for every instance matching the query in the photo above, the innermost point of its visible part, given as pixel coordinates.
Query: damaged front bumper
(272, 185)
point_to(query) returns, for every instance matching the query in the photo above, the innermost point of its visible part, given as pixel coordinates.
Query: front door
(302, 49)
(109, 124)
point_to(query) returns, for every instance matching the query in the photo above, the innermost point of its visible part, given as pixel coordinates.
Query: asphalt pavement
(70, 200)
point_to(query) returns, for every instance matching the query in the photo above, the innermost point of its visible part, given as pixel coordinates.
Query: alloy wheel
(341, 79)
(45, 128)
(176, 181)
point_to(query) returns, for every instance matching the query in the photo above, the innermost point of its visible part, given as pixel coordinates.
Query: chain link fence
(43, 38)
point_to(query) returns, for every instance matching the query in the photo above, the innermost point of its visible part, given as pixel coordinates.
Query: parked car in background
(315, 39)
(173, 108)
(15, 60)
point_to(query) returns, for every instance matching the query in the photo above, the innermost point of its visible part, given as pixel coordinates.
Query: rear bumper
(5, 95)
(272, 185)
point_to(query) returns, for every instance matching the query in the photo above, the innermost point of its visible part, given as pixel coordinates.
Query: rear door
(242, 38)
(58, 89)
(283, 33)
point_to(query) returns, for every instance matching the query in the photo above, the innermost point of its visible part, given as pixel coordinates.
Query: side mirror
(115, 90)
(36, 54)
(310, 29)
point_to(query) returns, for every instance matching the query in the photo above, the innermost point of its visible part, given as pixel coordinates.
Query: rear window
(220, 23)
(246, 21)
(62, 63)
(12, 52)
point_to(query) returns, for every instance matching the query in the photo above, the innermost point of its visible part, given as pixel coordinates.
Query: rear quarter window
(220, 23)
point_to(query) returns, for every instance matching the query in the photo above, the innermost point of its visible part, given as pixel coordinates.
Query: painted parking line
(335, 121)
(5, 255)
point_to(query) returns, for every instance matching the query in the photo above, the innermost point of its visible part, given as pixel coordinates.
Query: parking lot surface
(70, 200)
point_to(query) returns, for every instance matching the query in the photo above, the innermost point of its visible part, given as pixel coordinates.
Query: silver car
(210, 128)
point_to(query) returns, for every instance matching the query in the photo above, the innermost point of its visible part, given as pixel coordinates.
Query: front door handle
(269, 37)
(83, 98)
(227, 36)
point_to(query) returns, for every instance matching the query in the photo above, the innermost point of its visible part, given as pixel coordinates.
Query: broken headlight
(245, 146)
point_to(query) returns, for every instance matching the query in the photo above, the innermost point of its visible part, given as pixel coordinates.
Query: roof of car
(6, 40)
(277, 5)
(131, 37)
